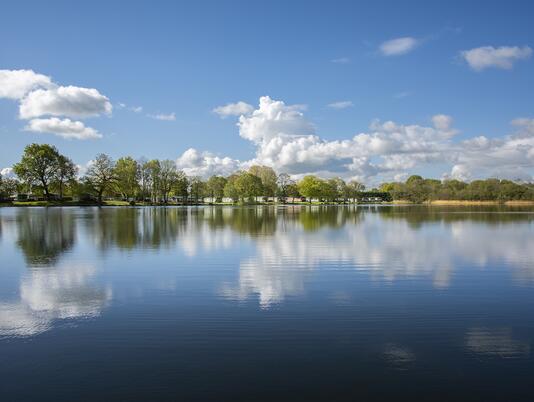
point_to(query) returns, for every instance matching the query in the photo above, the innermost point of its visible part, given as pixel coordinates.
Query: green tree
(181, 186)
(144, 179)
(353, 190)
(230, 188)
(311, 187)
(153, 170)
(168, 177)
(268, 179)
(335, 189)
(101, 175)
(215, 187)
(248, 186)
(285, 187)
(197, 188)
(127, 174)
(39, 165)
(8, 187)
(66, 172)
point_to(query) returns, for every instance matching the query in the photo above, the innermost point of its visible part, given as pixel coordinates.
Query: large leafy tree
(353, 189)
(181, 185)
(152, 170)
(66, 172)
(268, 179)
(230, 188)
(335, 188)
(215, 187)
(127, 174)
(311, 187)
(101, 175)
(248, 186)
(285, 186)
(39, 165)
(168, 177)
(197, 188)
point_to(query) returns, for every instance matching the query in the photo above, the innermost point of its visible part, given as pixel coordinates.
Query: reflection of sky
(386, 251)
(48, 294)
(193, 258)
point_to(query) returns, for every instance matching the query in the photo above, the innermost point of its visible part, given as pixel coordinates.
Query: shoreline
(482, 203)
(30, 204)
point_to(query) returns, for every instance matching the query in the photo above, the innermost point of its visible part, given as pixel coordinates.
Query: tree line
(44, 171)
(417, 189)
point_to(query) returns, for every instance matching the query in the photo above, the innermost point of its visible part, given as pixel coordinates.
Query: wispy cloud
(341, 60)
(135, 109)
(340, 104)
(398, 46)
(163, 116)
(233, 109)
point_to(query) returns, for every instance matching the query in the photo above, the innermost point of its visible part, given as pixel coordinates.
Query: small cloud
(233, 109)
(442, 122)
(398, 46)
(163, 116)
(502, 57)
(135, 109)
(340, 60)
(340, 105)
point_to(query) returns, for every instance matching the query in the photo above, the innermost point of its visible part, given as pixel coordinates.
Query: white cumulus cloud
(286, 140)
(205, 164)
(46, 104)
(502, 57)
(68, 101)
(398, 46)
(14, 84)
(273, 119)
(65, 128)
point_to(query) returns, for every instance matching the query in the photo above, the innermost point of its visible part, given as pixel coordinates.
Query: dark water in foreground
(296, 303)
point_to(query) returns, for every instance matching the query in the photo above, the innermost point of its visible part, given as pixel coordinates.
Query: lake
(267, 303)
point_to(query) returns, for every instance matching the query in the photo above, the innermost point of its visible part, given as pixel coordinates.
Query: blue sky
(184, 59)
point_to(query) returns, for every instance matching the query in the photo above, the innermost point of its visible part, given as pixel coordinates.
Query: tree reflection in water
(288, 244)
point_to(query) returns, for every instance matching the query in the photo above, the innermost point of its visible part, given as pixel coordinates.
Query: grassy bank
(485, 202)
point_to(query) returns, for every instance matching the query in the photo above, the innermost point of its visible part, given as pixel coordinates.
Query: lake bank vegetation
(45, 177)
(450, 192)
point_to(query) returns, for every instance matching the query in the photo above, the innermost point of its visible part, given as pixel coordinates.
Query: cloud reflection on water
(48, 294)
(283, 249)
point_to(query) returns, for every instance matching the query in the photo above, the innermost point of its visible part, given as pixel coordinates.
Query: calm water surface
(266, 303)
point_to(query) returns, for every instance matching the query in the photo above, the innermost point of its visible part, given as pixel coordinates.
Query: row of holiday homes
(366, 197)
